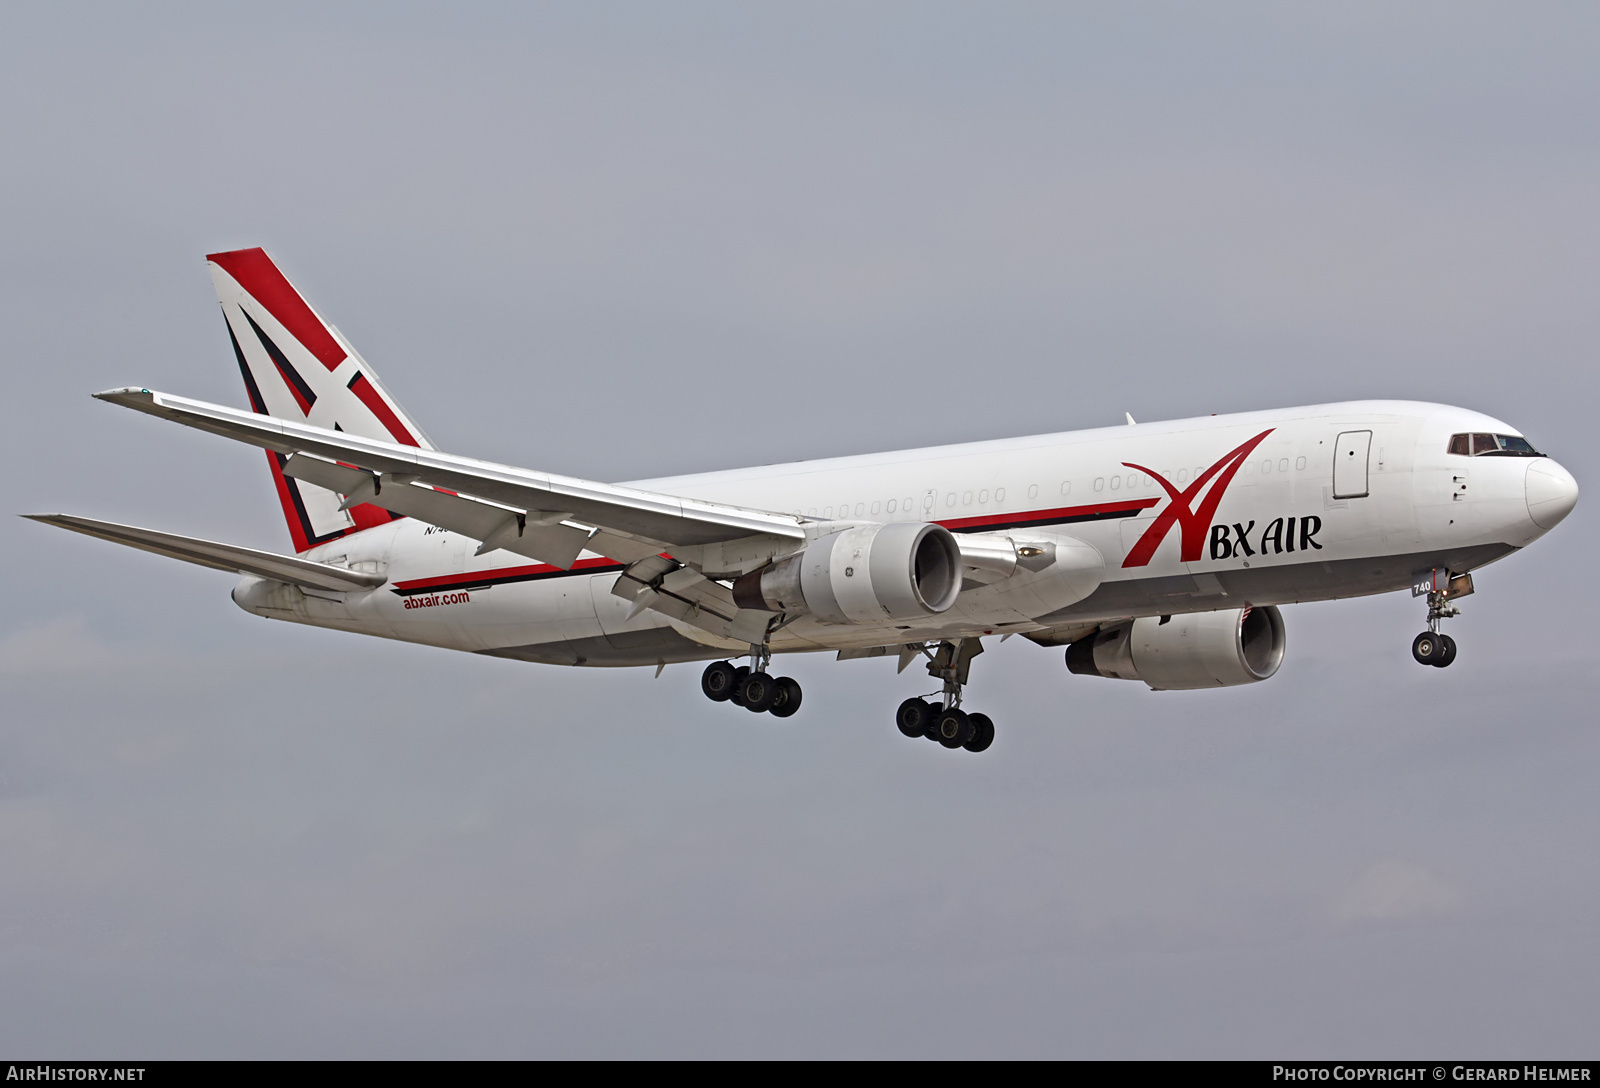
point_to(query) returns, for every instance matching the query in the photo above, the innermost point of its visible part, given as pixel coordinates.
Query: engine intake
(1197, 650)
(907, 570)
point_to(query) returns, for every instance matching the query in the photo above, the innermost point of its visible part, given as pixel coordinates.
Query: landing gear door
(1350, 454)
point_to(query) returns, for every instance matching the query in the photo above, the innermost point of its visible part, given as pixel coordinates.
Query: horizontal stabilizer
(229, 557)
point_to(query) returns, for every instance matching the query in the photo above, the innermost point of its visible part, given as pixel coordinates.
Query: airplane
(1155, 552)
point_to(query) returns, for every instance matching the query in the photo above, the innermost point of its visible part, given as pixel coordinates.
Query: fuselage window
(1283, 464)
(983, 497)
(1116, 482)
(875, 507)
(891, 506)
(1033, 491)
(1266, 466)
(950, 499)
(966, 499)
(1099, 483)
(827, 511)
(1183, 474)
(1299, 465)
(999, 494)
(861, 508)
(1066, 487)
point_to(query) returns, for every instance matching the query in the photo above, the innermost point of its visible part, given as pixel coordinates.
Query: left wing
(548, 517)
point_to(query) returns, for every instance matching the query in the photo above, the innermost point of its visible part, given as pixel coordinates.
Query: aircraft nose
(1552, 493)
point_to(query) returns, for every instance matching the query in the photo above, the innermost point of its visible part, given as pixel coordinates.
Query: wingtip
(60, 521)
(124, 395)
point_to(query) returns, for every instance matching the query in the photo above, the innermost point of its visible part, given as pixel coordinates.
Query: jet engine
(1197, 650)
(907, 570)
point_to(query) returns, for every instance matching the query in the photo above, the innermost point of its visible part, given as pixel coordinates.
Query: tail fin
(297, 366)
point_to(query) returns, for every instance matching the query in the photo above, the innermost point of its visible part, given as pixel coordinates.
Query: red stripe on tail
(377, 406)
(256, 273)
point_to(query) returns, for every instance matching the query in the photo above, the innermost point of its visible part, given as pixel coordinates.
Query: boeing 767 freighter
(1156, 552)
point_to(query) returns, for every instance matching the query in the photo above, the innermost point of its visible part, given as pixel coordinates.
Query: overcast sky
(621, 241)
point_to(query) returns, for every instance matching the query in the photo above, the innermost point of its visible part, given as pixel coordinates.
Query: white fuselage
(1284, 528)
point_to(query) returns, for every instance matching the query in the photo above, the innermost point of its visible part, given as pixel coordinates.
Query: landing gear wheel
(1447, 652)
(982, 733)
(736, 695)
(914, 717)
(717, 681)
(788, 697)
(758, 692)
(952, 728)
(1428, 648)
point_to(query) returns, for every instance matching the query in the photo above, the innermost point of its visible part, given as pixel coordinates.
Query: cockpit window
(1492, 445)
(1515, 446)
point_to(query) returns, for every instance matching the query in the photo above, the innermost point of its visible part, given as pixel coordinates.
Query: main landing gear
(749, 686)
(945, 722)
(1431, 647)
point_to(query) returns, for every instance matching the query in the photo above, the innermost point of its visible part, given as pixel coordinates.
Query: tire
(788, 700)
(953, 728)
(736, 696)
(982, 733)
(758, 692)
(1427, 648)
(1447, 653)
(914, 717)
(717, 681)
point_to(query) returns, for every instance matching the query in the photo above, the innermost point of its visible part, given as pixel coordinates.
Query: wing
(675, 548)
(229, 557)
(548, 517)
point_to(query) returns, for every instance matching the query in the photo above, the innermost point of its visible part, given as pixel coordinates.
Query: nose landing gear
(1431, 647)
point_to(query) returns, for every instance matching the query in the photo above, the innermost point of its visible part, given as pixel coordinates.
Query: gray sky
(624, 241)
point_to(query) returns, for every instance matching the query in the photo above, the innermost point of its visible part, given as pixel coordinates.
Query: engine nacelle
(1197, 650)
(907, 570)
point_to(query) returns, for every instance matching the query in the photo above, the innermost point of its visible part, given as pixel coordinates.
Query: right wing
(230, 557)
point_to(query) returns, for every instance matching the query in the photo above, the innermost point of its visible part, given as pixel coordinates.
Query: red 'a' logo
(1195, 521)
